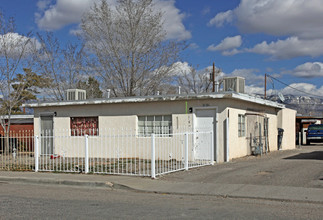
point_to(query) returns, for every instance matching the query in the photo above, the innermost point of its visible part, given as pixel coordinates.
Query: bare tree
(129, 43)
(63, 66)
(14, 54)
(194, 81)
(92, 88)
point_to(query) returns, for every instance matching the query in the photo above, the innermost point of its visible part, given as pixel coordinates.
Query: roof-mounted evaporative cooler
(75, 94)
(235, 84)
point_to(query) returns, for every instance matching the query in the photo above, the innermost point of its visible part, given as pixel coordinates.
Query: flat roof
(19, 119)
(158, 98)
(18, 116)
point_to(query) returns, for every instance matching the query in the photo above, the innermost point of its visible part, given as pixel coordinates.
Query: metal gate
(257, 134)
(205, 122)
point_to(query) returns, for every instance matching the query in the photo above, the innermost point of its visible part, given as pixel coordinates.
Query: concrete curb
(80, 183)
(231, 196)
(57, 182)
(220, 195)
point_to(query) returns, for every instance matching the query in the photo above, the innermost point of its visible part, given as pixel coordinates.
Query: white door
(205, 123)
(46, 134)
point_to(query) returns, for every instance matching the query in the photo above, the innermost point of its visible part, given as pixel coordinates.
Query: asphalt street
(279, 185)
(65, 202)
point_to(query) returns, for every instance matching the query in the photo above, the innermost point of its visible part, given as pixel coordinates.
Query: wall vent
(75, 94)
(235, 84)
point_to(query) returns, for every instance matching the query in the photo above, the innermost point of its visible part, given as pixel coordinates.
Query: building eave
(254, 99)
(142, 99)
(17, 116)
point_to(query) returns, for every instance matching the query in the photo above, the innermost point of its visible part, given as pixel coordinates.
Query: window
(241, 125)
(160, 124)
(81, 126)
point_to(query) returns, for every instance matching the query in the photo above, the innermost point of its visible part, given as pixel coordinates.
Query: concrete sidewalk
(143, 184)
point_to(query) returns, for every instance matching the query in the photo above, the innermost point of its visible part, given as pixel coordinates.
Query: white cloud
(254, 90)
(227, 44)
(180, 68)
(43, 4)
(255, 82)
(14, 44)
(221, 18)
(206, 11)
(289, 48)
(307, 70)
(76, 31)
(276, 17)
(62, 13)
(173, 20)
(66, 12)
(230, 52)
(297, 20)
(193, 46)
(209, 69)
(252, 79)
(301, 88)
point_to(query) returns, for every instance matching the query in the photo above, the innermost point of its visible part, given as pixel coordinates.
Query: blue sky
(243, 37)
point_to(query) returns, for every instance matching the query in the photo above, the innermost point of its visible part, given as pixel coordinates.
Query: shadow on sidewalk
(315, 155)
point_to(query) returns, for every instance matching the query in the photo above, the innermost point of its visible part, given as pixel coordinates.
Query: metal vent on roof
(75, 94)
(235, 84)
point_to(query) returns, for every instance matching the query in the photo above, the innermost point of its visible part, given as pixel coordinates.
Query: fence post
(212, 148)
(86, 170)
(36, 153)
(153, 173)
(186, 150)
(227, 140)
(299, 139)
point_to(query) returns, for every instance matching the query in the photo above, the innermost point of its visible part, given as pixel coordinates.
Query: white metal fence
(121, 152)
(17, 150)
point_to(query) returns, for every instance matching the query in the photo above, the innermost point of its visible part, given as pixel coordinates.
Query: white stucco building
(247, 119)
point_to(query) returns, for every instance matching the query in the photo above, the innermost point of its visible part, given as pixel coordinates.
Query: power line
(294, 87)
(305, 104)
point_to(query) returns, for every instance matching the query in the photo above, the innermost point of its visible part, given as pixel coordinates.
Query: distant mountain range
(304, 105)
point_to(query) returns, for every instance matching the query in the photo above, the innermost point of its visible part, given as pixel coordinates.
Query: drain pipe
(227, 137)
(216, 86)
(108, 93)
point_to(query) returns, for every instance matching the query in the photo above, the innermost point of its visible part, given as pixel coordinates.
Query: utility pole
(213, 78)
(265, 86)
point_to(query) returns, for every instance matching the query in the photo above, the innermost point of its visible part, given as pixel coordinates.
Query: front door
(255, 134)
(205, 122)
(46, 135)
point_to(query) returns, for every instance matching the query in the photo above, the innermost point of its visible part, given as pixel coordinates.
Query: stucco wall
(124, 116)
(114, 122)
(237, 145)
(287, 121)
(118, 138)
(272, 132)
(180, 123)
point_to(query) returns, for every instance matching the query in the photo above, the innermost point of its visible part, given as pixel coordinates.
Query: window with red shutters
(81, 126)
